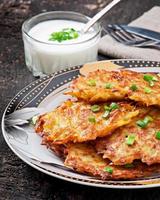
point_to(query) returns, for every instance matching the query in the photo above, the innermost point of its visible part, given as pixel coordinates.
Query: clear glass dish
(46, 57)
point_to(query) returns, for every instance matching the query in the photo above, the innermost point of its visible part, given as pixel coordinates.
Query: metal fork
(129, 39)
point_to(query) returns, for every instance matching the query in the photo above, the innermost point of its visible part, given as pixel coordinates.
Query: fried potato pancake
(138, 140)
(84, 159)
(58, 149)
(79, 121)
(104, 85)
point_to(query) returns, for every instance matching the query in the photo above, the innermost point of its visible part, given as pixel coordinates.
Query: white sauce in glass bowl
(43, 30)
(45, 57)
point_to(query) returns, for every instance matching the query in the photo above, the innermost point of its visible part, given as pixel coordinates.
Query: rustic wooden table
(19, 181)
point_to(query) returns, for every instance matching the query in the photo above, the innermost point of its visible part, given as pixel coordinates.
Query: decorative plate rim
(70, 179)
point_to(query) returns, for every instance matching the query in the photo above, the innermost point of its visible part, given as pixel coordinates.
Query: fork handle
(153, 46)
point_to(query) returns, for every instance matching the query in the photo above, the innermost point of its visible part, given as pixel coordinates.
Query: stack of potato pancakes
(112, 129)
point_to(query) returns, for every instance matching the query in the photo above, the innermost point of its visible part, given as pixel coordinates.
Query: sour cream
(44, 56)
(43, 30)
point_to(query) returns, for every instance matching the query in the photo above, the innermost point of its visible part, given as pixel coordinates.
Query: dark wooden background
(19, 181)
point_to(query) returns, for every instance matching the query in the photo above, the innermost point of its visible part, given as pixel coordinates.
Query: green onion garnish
(110, 108)
(108, 169)
(92, 119)
(155, 78)
(130, 139)
(158, 135)
(91, 82)
(151, 83)
(147, 90)
(150, 79)
(106, 114)
(109, 85)
(134, 87)
(34, 120)
(143, 123)
(65, 34)
(114, 106)
(106, 107)
(95, 108)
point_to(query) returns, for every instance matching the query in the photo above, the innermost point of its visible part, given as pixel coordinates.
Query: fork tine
(132, 38)
(114, 35)
(117, 30)
(124, 35)
(129, 41)
(111, 33)
(120, 35)
(127, 34)
(140, 41)
(126, 38)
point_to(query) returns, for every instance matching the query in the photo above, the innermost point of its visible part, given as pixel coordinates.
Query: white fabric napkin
(150, 20)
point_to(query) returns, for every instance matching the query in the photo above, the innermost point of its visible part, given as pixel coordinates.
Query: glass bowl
(46, 57)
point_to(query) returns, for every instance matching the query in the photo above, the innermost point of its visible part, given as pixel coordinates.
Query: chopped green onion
(106, 114)
(91, 82)
(130, 139)
(150, 79)
(109, 85)
(95, 108)
(106, 107)
(143, 123)
(110, 108)
(34, 120)
(158, 135)
(108, 169)
(151, 83)
(147, 77)
(65, 34)
(147, 90)
(114, 106)
(134, 87)
(155, 78)
(129, 165)
(92, 119)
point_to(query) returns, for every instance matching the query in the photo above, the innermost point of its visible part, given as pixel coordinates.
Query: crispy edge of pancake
(84, 159)
(123, 80)
(114, 147)
(58, 149)
(81, 90)
(117, 118)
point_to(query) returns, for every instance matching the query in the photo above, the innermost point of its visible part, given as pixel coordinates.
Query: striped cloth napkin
(150, 20)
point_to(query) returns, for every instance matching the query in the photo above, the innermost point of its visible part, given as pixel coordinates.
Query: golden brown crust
(121, 80)
(146, 146)
(71, 122)
(58, 149)
(66, 129)
(84, 159)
